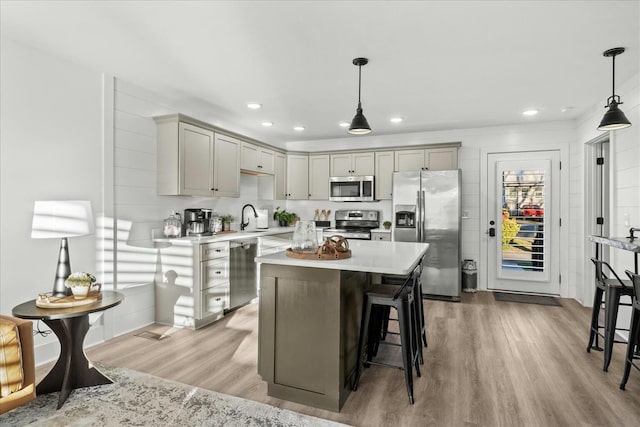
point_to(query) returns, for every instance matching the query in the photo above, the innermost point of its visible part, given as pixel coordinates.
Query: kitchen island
(309, 318)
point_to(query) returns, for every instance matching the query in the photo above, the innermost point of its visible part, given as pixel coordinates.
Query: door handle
(492, 231)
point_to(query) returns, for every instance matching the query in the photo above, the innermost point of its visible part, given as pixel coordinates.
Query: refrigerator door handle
(417, 219)
(423, 217)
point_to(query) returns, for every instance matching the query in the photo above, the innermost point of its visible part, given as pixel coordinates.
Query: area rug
(526, 299)
(138, 399)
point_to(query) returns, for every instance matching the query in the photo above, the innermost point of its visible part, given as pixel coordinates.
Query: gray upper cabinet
(280, 177)
(437, 159)
(226, 178)
(184, 159)
(194, 161)
(345, 164)
(319, 177)
(297, 177)
(384, 175)
(426, 159)
(257, 159)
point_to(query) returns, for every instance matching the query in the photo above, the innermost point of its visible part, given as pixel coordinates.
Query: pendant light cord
(359, 82)
(613, 80)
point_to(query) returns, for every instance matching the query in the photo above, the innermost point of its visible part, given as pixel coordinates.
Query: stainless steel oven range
(354, 224)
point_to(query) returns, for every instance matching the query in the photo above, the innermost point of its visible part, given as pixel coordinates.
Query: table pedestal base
(73, 369)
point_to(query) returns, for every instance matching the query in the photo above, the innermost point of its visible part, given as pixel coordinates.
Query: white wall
(624, 155)
(51, 146)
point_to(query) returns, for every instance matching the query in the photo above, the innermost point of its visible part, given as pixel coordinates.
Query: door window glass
(523, 201)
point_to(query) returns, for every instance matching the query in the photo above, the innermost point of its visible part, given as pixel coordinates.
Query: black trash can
(469, 276)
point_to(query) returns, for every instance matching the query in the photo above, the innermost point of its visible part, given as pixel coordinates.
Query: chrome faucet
(242, 223)
(631, 230)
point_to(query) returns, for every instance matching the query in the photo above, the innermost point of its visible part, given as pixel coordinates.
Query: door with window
(524, 222)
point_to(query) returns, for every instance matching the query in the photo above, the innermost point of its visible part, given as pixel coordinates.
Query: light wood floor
(488, 364)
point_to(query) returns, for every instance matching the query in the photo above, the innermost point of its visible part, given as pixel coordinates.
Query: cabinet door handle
(218, 299)
(218, 250)
(218, 272)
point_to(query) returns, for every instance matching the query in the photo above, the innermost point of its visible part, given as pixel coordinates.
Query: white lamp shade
(56, 219)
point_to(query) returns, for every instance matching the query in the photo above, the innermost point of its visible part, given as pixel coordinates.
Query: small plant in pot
(386, 225)
(226, 222)
(80, 283)
(284, 218)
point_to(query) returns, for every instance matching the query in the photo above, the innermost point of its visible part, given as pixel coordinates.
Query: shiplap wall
(138, 209)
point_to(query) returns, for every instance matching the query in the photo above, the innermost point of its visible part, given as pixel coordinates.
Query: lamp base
(63, 271)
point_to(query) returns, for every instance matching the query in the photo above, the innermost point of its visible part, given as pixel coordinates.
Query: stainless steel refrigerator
(426, 208)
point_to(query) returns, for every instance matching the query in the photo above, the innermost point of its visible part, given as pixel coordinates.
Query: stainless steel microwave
(351, 189)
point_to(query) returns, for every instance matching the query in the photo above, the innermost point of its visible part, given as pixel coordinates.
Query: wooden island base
(309, 322)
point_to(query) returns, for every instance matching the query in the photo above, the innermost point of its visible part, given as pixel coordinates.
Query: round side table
(72, 370)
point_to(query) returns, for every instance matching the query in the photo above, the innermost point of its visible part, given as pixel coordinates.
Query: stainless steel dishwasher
(243, 279)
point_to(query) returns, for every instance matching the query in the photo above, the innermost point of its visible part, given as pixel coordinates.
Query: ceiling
(439, 64)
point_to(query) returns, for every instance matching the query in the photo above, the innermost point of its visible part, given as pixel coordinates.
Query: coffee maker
(194, 224)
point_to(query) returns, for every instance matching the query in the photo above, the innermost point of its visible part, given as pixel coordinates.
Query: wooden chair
(17, 363)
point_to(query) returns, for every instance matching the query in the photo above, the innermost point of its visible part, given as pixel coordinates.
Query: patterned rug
(138, 399)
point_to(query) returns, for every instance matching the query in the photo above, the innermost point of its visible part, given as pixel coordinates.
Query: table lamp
(61, 219)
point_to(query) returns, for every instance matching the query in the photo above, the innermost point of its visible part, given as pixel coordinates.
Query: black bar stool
(375, 302)
(634, 330)
(612, 289)
(417, 300)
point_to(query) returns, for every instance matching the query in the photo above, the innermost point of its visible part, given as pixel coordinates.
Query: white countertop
(381, 230)
(366, 255)
(247, 234)
(624, 243)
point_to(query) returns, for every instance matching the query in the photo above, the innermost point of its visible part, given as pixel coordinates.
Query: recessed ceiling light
(254, 105)
(344, 124)
(396, 119)
(530, 112)
(267, 124)
(298, 128)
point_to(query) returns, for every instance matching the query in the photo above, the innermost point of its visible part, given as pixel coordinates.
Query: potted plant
(226, 222)
(386, 225)
(284, 218)
(80, 283)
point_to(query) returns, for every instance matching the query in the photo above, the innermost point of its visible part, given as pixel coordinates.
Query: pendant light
(359, 124)
(614, 118)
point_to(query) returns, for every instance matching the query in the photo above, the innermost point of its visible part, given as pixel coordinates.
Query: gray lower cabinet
(309, 321)
(214, 279)
(194, 288)
(214, 301)
(381, 236)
